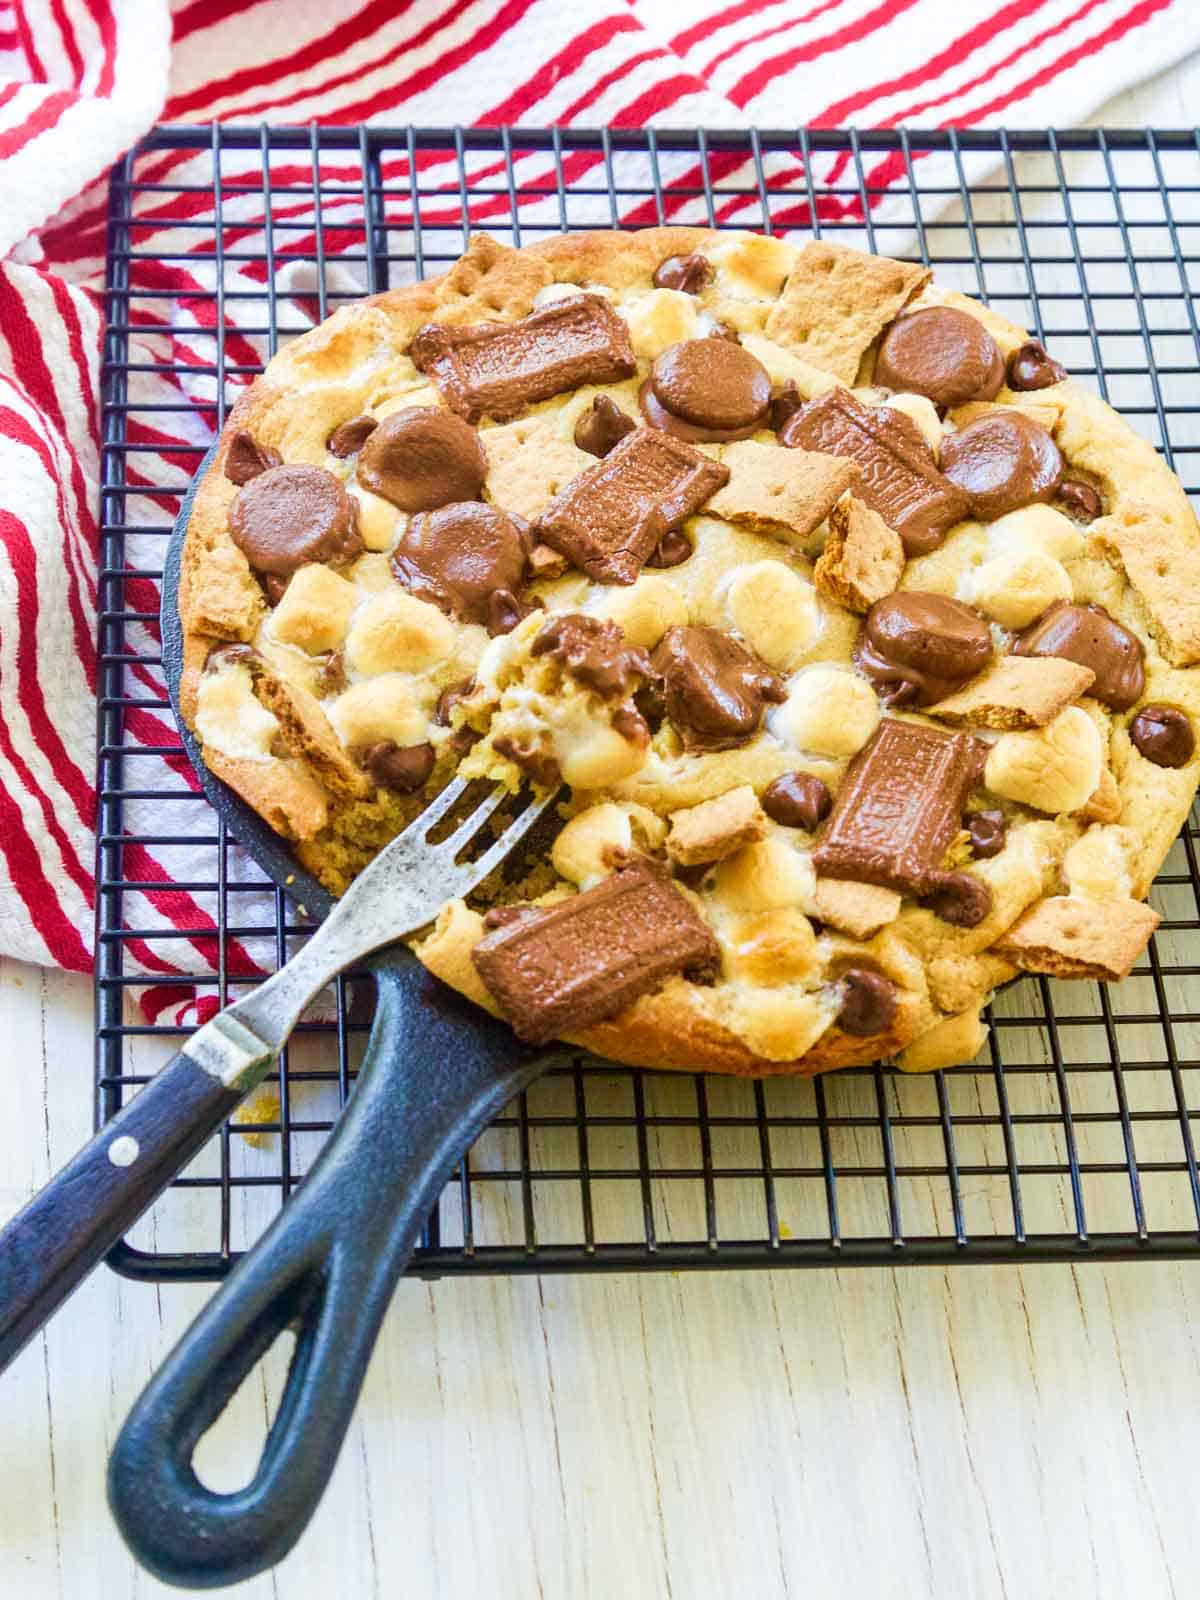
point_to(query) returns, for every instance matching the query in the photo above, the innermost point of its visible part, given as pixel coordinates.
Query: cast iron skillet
(436, 1070)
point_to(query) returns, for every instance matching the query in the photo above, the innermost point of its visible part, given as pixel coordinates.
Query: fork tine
(508, 840)
(436, 809)
(470, 826)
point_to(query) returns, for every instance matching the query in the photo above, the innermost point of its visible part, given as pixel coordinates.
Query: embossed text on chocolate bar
(495, 369)
(609, 519)
(899, 479)
(582, 960)
(899, 807)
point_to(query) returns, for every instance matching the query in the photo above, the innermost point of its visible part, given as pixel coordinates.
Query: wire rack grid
(1072, 1134)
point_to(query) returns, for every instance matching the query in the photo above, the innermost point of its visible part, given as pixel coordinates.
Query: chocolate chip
(537, 762)
(288, 516)
(689, 273)
(716, 389)
(449, 698)
(631, 725)
(402, 768)
(942, 353)
(988, 830)
(868, 1002)
(229, 655)
(917, 648)
(961, 899)
(785, 405)
(504, 611)
(469, 559)
(1093, 638)
(246, 458)
(1030, 367)
(1002, 461)
(797, 800)
(594, 653)
(714, 690)
(672, 550)
(899, 478)
(1163, 735)
(1079, 500)
(349, 437)
(332, 679)
(273, 587)
(496, 369)
(602, 426)
(422, 458)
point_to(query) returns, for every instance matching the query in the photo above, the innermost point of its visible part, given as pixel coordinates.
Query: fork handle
(327, 1266)
(48, 1248)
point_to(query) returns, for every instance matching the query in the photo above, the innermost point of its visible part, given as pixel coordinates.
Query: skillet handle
(328, 1264)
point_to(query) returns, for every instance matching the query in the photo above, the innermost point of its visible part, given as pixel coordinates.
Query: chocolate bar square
(496, 369)
(582, 960)
(899, 807)
(899, 479)
(609, 519)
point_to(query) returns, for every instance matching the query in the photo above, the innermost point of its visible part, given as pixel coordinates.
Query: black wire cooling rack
(1072, 1134)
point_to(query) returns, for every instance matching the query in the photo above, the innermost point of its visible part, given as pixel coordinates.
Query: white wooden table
(979, 1432)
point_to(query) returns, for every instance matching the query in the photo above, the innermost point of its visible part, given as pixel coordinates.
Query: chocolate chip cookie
(862, 642)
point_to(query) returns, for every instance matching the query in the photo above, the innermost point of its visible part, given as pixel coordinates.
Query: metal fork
(48, 1248)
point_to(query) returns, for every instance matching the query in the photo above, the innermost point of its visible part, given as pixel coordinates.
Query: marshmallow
(315, 610)
(751, 266)
(383, 708)
(771, 947)
(592, 754)
(1038, 527)
(582, 851)
(396, 632)
(764, 876)
(775, 610)
(643, 611)
(377, 518)
(923, 412)
(1018, 585)
(830, 711)
(230, 719)
(658, 320)
(1052, 769)
(1097, 865)
(779, 1024)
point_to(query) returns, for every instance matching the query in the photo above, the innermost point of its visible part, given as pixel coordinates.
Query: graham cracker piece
(490, 280)
(282, 790)
(859, 909)
(1162, 562)
(223, 597)
(1105, 803)
(836, 301)
(784, 492)
(529, 461)
(1016, 692)
(863, 558)
(1070, 937)
(308, 732)
(716, 828)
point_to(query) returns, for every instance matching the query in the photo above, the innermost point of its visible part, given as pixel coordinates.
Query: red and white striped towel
(81, 80)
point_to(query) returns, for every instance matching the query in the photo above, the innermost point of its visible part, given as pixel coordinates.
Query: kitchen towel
(82, 80)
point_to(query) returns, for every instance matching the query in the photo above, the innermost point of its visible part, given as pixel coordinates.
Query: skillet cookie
(862, 641)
